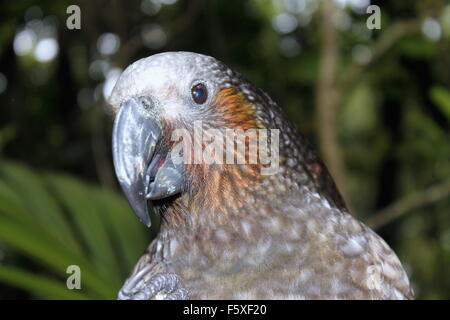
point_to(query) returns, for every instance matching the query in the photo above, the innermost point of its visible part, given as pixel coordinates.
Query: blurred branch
(130, 47)
(216, 34)
(188, 18)
(175, 27)
(327, 97)
(408, 203)
(332, 89)
(386, 41)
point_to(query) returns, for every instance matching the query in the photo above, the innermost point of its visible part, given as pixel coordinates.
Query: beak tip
(140, 209)
(146, 220)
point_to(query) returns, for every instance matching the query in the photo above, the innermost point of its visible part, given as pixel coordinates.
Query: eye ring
(199, 93)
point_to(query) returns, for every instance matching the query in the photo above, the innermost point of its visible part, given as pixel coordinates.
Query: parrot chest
(296, 247)
(277, 259)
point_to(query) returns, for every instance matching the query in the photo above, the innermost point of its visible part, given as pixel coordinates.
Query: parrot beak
(142, 173)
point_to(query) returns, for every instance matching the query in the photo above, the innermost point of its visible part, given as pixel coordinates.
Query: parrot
(229, 229)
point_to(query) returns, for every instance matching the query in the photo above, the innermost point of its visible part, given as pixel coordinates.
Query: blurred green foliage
(57, 221)
(393, 123)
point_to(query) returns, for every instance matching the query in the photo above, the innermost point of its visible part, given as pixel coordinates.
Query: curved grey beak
(142, 174)
(134, 138)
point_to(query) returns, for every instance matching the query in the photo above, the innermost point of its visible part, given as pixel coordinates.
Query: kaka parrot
(228, 231)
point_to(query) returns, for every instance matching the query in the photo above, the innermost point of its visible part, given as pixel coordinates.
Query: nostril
(146, 102)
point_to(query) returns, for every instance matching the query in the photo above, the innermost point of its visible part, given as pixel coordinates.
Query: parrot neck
(218, 193)
(224, 194)
(240, 233)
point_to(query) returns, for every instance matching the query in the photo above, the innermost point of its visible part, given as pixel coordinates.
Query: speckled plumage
(234, 234)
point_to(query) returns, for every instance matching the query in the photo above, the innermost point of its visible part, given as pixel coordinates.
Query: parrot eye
(199, 93)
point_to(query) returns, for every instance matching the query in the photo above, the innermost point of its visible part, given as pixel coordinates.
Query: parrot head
(158, 95)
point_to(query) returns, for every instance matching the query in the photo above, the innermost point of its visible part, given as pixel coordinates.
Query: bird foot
(162, 286)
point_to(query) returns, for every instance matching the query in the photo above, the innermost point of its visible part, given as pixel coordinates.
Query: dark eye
(199, 93)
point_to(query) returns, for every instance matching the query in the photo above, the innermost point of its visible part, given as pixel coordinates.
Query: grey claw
(179, 294)
(131, 286)
(161, 286)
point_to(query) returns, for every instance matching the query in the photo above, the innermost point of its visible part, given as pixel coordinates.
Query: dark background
(376, 103)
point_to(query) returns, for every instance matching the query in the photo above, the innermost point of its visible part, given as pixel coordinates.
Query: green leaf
(10, 204)
(131, 236)
(56, 220)
(38, 202)
(41, 286)
(441, 97)
(39, 246)
(86, 213)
